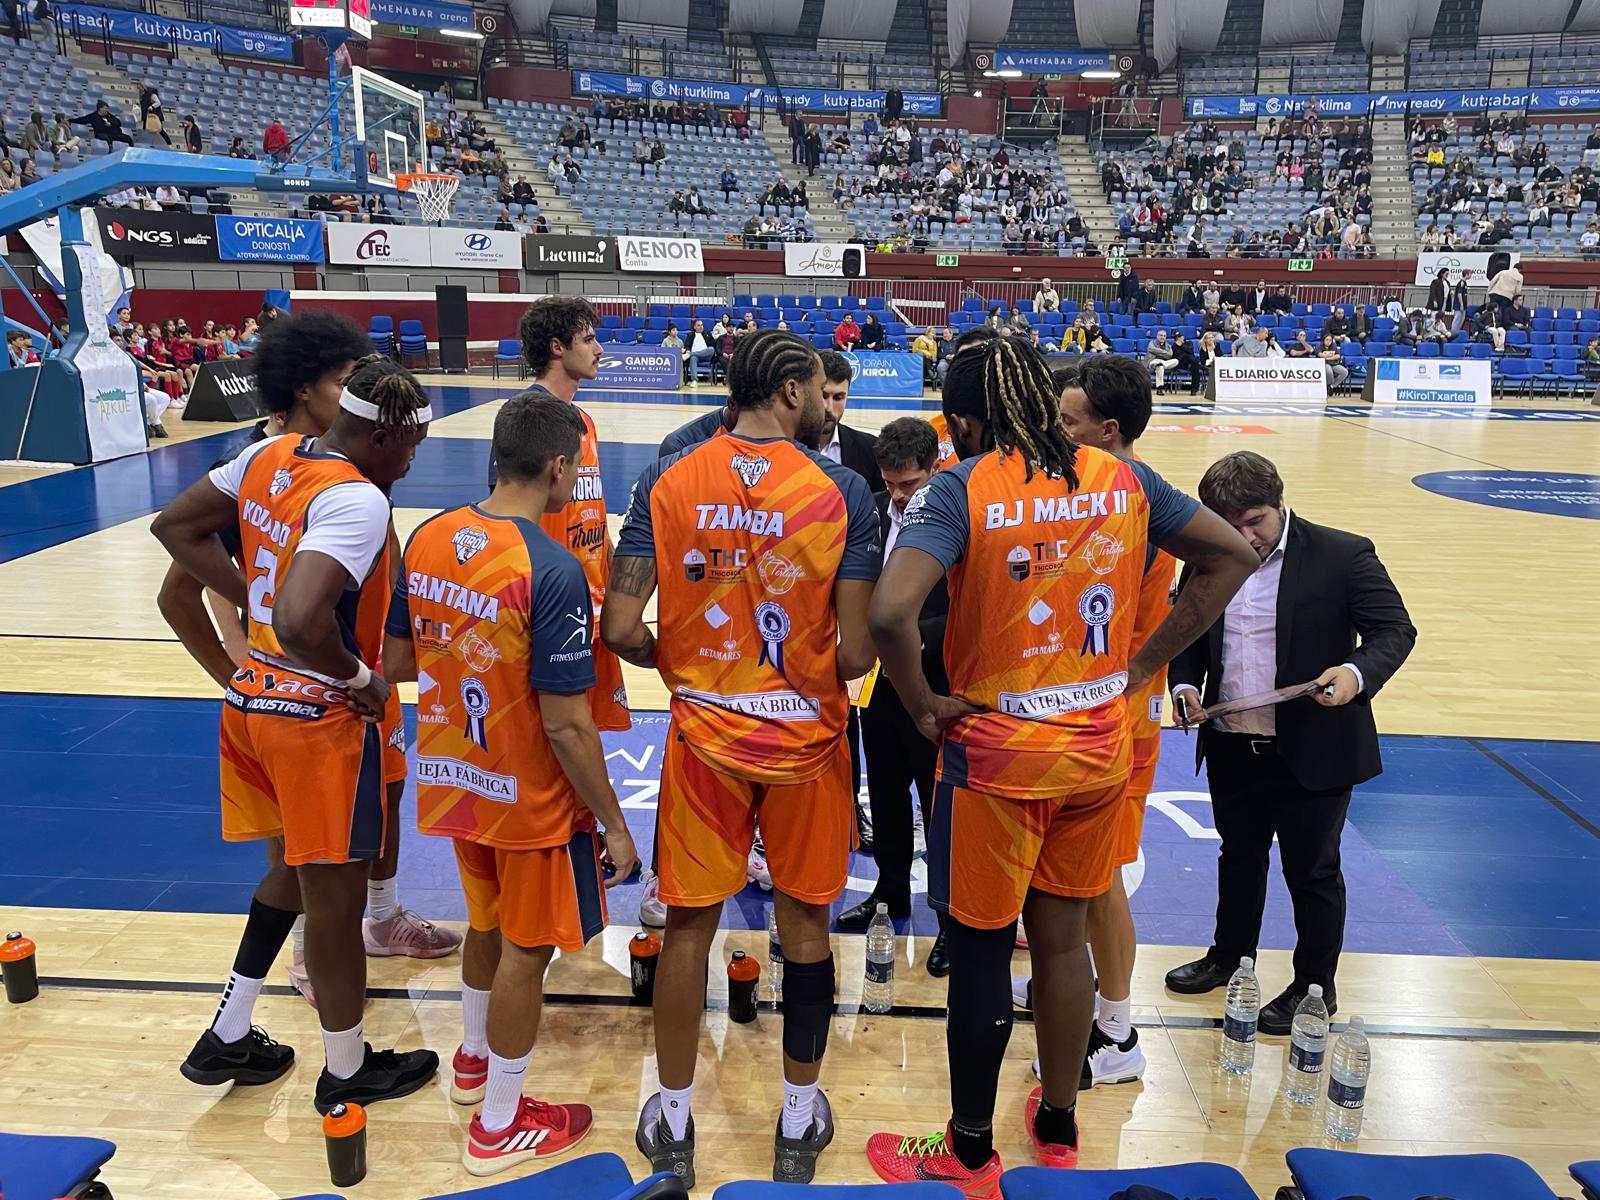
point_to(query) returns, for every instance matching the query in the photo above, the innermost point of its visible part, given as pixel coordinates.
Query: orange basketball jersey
(947, 448)
(1145, 706)
(497, 612)
(748, 537)
(1050, 575)
(581, 528)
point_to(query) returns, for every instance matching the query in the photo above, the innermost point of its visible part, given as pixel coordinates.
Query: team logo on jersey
(1019, 563)
(778, 575)
(918, 502)
(1102, 553)
(476, 699)
(397, 738)
(751, 467)
(694, 566)
(1095, 606)
(436, 714)
(280, 481)
(477, 651)
(620, 697)
(716, 617)
(947, 450)
(468, 541)
(774, 624)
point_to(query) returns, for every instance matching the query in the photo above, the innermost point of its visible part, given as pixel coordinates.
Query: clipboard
(1259, 700)
(860, 690)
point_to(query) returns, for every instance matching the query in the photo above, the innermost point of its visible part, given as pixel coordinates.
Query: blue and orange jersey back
(1044, 583)
(497, 612)
(749, 537)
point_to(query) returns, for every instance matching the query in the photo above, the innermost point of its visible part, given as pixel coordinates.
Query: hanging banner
(1475, 263)
(269, 239)
(134, 233)
(890, 373)
(113, 392)
(125, 26)
(423, 13)
(1380, 104)
(1052, 62)
(645, 87)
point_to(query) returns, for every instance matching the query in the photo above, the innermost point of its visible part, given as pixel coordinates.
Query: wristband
(360, 679)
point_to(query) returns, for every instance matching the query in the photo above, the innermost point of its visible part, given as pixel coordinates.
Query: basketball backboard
(390, 120)
(353, 16)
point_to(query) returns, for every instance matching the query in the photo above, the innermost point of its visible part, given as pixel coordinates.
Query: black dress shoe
(939, 958)
(1196, 978)
(1277, 1018)
(857, 918)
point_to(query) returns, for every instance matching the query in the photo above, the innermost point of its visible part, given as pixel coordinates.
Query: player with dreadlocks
(301, 744)
(764, 552)
(1044, 543)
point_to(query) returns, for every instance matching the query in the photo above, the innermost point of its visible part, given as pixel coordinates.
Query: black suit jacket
(930, 622)
(1332, 588)
(858, 452)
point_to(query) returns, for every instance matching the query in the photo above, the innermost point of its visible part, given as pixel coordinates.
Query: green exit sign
(946, 260)
(408, 30)
(1300, 264)
(1116, 264)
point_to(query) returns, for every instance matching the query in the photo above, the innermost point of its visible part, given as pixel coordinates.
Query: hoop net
(433, 193)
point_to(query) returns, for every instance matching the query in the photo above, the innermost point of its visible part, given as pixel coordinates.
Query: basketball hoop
(434, 193)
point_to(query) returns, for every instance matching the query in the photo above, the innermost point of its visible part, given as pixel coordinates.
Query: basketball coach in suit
(1320, 607)
(899, 758)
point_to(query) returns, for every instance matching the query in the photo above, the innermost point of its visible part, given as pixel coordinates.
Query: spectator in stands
(105, 125)
(151, 117)
(1256, 345)
(1300, 347)
(1591, 357)
(797, 138)
(1215, 320)
(169, 198)
(739, 122)
(927, 348)
(1193, 298)
(872, 335)
(641, 153)
(729, 183)
(1159, 356)
(1207, 352)
(1185, 360)
(1043, 345)
(677, 206)
(1338, 373)
(19, 347)
(1589, 242)
(1412, 329)
(846, 333)
(35, 134)
(1336, 326)
(813, 151)
(9, 179)
(1436, 329)
(275, 141)
(237, 149)
(1018, 320)
(697, 348)
(1127, 289)
(1046, 299)
(504, 223)
(672, 341)
(1518, 316)
(1538, 207)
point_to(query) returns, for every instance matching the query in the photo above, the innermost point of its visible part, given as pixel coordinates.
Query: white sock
(474, 1021)
(297, 936)
(799, 1103)
(675, 1108)
(345, 1051)
(504, 1095)
(1116, 1018)
(232, 1021)
(383, 898)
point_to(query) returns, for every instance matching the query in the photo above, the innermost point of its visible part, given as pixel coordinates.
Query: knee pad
(807, 1009)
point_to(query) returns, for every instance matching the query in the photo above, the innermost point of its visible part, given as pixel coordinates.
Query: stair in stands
(1241, 29)
(1082, 177)
(1394, 214)
(827, 221)
(1349, 37)
(555, 208)
(1456, 24)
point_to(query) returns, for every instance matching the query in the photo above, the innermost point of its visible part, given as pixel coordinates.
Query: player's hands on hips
(1339, 685)
(1185, 703)
(619, 849)
(942, 710)
(369, 702)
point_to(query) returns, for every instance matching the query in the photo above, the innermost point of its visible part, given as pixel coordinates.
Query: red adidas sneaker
(540, 1131)
(471, 1077)
(900, 1159)
(1047, 1154)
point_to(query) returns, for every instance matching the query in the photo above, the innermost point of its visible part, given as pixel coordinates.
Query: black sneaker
(254, 1058)
(794, 1160)
(384, 1075)
(654, 1139)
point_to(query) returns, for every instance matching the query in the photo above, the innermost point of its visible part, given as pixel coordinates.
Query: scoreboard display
(352, 15)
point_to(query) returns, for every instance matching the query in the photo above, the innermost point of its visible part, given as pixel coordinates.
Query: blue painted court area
(1461, 847)
(1554, 493)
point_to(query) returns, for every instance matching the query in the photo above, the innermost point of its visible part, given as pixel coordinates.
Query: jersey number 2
(264, 586)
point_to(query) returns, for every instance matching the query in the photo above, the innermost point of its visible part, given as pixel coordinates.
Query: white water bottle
(1308, 1045)
(1238, 1053)
(1348, 1075)
(774, 957)
(877, 992)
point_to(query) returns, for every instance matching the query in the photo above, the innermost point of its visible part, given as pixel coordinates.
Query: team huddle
(772, 593)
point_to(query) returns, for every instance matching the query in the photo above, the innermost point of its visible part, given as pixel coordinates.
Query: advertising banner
(894, 373)
(1243, 379)
(129, 233)
(269, 239)
(1436, 381)
(148, 27)
(225, 390)
(424, 13)
(113, 392)
(1051, 62)
(379, 245)
(481, 249)
(1357, 104)
(670, 255)
(645, 87)
(831, 260)
(558, 252)
(1473, 262)
(639, 368)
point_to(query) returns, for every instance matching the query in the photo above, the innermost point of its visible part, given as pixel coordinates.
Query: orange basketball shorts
(393, 729)
(985, 851)
(551, 897)
(706, 824)
(298, 764)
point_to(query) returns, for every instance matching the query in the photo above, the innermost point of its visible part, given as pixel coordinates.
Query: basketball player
(1105, 403)
(707, 425)
(560, 347)
(764, 552)
(1045, 544)
(493, 616)
(301, 366)
(301, 744)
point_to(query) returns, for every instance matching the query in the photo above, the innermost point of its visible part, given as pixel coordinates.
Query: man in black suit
(1287, 769)
(1127, 290)
(898, 756)
(1194, 298)
(1255, 299)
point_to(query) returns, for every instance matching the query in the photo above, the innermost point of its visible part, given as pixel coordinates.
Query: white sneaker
(756, 872)
(1022, 991)
(1111, 1062)
(651, 911)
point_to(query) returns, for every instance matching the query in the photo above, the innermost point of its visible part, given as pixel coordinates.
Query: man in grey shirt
(1160, 355)
(1254, 346)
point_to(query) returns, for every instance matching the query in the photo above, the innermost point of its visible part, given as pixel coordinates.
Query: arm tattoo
(632, 576)
(1191, 616)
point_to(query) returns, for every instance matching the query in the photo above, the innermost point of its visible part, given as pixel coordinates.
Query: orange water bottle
(344, 1130)
(21, 970)
(644, 952)
(743, 971)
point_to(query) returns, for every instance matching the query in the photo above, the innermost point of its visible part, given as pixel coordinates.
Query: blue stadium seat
(1333, 1174)
(36, 1167)
(592, 1177)
(1587, 1175)
(509, 351)
(1212, 1180)
(380, 332)
(755, 1189)
(413, 341)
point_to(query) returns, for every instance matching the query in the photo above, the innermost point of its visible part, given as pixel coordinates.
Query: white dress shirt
(831, 450)
(1250, 643)
(895, 521)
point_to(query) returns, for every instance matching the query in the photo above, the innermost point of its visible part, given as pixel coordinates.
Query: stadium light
(1102, 75)
(470, 35)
